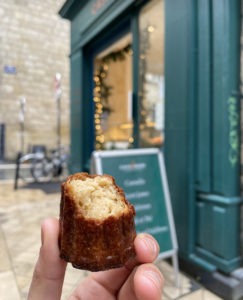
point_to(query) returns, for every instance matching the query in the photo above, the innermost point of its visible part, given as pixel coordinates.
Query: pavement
(21, 214)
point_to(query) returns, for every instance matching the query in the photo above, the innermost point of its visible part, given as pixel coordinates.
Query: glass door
(112, 95)
(151, 75)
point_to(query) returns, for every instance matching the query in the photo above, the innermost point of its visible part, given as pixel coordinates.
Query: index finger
(147, 250)
(50, 269)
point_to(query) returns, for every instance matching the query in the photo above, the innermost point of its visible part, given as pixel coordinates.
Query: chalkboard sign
(141, 174)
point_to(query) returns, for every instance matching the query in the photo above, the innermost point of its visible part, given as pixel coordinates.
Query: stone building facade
(34, 46)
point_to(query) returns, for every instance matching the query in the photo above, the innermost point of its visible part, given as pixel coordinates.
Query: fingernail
(154, 277)
(150, 244)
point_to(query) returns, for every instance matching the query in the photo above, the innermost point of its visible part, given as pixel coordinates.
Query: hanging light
(130, 52)
(150, 28)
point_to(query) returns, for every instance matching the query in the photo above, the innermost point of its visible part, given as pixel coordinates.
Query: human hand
(138, 280)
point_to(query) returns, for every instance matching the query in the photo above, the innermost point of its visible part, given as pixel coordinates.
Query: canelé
(97, 228)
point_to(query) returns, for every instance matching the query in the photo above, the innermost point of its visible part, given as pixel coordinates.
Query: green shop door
(118, 101)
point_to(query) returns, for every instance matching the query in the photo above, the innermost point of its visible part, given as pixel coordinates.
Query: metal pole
(21, 120)
(58, 99)
(17, 170)
(22, 137)
(59, 124)
(2, 141)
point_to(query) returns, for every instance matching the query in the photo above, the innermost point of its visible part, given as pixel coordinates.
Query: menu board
(141, 174)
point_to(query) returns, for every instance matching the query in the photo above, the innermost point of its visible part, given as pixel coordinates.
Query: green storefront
(166, 73)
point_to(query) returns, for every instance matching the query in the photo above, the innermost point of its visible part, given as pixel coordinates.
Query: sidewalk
(21, 214)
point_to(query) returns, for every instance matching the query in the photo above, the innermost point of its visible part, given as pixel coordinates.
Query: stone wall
(35, 40)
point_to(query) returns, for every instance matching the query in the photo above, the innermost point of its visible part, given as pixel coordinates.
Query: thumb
(49, 271)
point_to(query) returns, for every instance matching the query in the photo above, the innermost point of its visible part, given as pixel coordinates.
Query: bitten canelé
(97, 228)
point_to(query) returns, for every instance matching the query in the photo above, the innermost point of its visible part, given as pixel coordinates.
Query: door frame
(125, 24)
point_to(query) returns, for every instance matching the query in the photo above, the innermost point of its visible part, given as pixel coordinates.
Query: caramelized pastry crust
(97, 228)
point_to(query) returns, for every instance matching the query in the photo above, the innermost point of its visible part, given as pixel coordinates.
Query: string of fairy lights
(102, 91)
(98, 78)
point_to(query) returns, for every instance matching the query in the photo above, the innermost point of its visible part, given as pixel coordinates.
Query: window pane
(151, 74)
(112, 96)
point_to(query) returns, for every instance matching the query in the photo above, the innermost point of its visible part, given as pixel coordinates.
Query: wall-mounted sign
(97, 5)
(10, 69)
(91, 11)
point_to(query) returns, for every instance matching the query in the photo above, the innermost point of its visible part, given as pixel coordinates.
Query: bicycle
(43, 166)
(49, 167)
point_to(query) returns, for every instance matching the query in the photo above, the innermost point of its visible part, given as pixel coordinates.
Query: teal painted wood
(177, 113)
(221, 200)
(226, 266)
(218, 229)
(204, 111)
(212, 149)
(83, 30)
(76, 113)
(192, 162)
(221, 233)
(93, 9)
(234, 105)
(135, 77)
(205, 232)
(224, 222)
(216, 232)
(218, 151)
(85, 18)
(87, 139)
(70, 8)
(202, 263)
(226, 108)
(202, 232)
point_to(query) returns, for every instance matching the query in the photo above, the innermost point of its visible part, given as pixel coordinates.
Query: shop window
(112, 90)
(151, 74)
(112, 96)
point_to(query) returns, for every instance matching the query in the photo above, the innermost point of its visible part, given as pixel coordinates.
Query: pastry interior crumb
(97, 197)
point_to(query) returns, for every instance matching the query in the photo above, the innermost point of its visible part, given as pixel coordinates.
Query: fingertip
(49, 251)
(146, 247)
(49, 237)
(50, 222)
(49, 225)
(148, 283)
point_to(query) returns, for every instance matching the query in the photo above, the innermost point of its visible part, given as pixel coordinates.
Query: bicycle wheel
(57, 169)
(37, 170)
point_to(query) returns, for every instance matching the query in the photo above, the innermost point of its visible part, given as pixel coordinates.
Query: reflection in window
(151, 74)
(112, 96)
